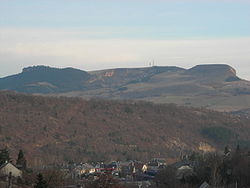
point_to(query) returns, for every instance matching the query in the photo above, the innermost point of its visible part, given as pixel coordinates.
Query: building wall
(10, 168)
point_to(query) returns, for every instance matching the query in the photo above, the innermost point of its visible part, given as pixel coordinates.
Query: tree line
(230, 169)
(21, 162)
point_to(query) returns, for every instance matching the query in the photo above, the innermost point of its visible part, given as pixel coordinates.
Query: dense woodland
(51, 129)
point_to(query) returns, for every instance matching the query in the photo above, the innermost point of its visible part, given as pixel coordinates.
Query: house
(7, 168)
(87, 169)
(158, 162)
(155, 165)
(184, 172)
(100, 167)
(204, 185)
(126, 168)
(184, 169)
(138, 167)
(83, 169)
(182, 163)
(144, 168)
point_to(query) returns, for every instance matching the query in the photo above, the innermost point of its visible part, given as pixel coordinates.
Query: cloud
(60, 48)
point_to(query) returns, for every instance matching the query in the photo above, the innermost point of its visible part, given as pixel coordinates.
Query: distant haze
(101, 34)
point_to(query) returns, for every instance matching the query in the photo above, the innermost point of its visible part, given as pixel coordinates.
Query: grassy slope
(182, 89)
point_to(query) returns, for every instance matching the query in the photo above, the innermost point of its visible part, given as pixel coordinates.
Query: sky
(102, 34)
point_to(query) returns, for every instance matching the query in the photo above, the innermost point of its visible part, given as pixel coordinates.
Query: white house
(7, 168)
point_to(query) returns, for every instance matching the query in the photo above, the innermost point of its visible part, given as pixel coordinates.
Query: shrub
(218, 134)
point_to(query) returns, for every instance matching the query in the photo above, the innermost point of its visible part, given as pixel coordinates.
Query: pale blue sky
(156, 19)
(36, 30)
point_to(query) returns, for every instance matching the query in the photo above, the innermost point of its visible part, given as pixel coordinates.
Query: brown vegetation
(50, 129)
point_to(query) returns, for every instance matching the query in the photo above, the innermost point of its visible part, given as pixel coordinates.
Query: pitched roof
(204, 185)
(5, 164)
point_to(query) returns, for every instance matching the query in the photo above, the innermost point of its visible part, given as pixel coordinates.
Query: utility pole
(9, 180)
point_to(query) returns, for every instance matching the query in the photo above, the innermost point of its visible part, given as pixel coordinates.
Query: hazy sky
(98, 34)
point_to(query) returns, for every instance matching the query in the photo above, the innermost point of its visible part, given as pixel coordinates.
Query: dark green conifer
(21, 161)
(40, 182)
(4, 156)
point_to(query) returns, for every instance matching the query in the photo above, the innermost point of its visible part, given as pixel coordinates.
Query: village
(129, 173)
(228, 169)
(124, 173)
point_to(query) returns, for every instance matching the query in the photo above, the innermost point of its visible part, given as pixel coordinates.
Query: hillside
(214, 86)
(53, 129)
(41, 79)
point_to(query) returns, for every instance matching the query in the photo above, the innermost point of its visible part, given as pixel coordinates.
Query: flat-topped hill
(214, 86)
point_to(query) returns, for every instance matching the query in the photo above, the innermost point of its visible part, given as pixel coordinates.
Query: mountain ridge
(214, 86)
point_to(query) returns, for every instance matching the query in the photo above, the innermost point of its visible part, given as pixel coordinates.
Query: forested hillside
(51, 129)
